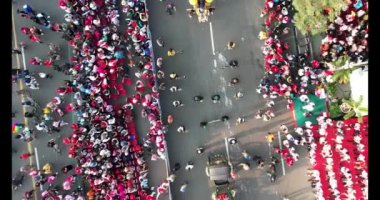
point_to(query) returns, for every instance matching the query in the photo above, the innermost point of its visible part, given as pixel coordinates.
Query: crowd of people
(339, 158)
(348, 34)
(104, 139)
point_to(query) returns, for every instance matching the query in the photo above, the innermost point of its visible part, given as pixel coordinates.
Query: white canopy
(359, 86)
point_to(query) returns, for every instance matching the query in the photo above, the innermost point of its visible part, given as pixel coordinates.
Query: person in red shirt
(25, 156)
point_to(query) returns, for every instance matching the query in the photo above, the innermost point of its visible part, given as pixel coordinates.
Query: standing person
(189, 166)
(176, 167)
(230, 45)
(200, 150)
(54, 145)
(270, 137)
(28, 10)
(175, 89)
(183, 187)
(170, 8)
(177, 103)
(28, 195)
(25, 156)
(16, 51)
(67, 168)
(160, 42)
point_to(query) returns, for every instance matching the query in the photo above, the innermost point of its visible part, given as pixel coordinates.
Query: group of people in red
(339, 158)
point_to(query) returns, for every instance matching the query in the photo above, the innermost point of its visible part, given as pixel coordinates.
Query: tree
(352, 108)
(313, 16)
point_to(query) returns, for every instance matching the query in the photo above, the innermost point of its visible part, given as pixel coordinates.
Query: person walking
(176, 167)
(28, 10)
(245, 166)
(160, 42)
(170, 8)
(52, 144)
(234, 64)
(198, 98)
(177, 103)
(183, 187)
(25, 156)
(175, 89)
(16, 51)
(174, 76)
(189, 166)
(200, 150)
(230, 45)
(182, 129)
(269, 137)
(172, 52)
(66, 169)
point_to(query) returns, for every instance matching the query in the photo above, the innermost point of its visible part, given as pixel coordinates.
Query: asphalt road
(41, 96)
(237, 21)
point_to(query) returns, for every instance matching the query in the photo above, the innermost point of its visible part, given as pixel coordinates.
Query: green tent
(298, 112)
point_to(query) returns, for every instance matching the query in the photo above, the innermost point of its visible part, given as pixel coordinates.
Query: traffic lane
(19, 146)
(47, 91)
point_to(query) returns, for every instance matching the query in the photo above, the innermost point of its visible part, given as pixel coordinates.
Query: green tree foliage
(312, 16)
(352, 108)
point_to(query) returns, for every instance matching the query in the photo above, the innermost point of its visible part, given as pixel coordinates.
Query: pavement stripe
(20, 83)
(38, 163)
(212, 39)
(282, 158)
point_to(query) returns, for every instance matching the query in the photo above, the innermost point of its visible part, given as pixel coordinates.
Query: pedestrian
(270, 103)
(177, 103)
(28, 10)
(284, 129)
(160, 43)
(16, 51)
(200, 150)
(198, 98)
(171, 178)
(238, 95)
(246, 156)
(183, 187)
(175, 89)
(189, 166)
(234, 81)
(25, 156)
(66, 169)
(245, 166)
(182, 129)
(170, 119)
(232, 140)
(240, 120)
(170, 8)
(234, 63)
(270, 137)
(28, 194)
(177, 166)
(215, 98)
(47, 168)
(159, 62)
(230, 45)
(285, 197)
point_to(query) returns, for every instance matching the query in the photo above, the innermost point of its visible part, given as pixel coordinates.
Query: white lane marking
(228, 153)
(212, 39)
(227, 101)
(215, 63)
(282, 159)
(38, 163)
(23, 57)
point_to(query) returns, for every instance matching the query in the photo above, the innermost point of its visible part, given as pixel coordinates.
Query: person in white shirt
(189, 166)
